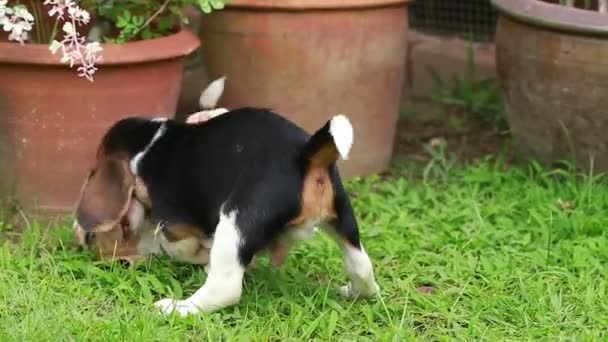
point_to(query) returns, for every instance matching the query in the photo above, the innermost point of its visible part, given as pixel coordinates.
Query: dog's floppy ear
(105, 196)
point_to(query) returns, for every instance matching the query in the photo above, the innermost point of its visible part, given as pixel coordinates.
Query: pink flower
(73, 47)
(17, 20)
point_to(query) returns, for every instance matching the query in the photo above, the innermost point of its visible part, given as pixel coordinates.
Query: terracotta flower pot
(553, 69)
(51, 121)
(312, 59)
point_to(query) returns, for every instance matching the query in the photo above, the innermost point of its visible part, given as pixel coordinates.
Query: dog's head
(109, 213)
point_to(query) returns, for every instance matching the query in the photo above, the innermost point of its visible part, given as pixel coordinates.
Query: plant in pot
(312, 59)
(553, 72)
(69, 70)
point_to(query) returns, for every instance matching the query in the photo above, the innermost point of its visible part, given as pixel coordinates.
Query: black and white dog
(248, 179)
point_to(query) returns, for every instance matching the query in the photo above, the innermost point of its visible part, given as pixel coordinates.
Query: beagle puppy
(245, 181)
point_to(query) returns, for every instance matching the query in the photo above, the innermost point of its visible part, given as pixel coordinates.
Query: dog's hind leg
(330, 143)
(356, 261)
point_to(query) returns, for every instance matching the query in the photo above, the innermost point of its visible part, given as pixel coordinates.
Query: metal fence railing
(475, 19)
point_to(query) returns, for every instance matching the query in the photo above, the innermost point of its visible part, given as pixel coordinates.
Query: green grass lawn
(516, 254)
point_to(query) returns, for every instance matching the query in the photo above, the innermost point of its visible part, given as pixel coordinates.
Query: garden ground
(464, 248)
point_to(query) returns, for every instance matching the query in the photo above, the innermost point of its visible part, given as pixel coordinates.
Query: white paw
(183, 307)
(349, 291)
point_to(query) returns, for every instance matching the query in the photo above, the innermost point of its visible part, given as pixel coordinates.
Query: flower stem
(37, 22)
(156, 14)
(54, 30)
(42, 32)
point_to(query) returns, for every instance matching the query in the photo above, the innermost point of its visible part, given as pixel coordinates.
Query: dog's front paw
(350, 291)
(183, 307)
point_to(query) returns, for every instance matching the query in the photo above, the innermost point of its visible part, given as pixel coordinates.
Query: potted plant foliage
(69, 69)
(553, 71)
(312, 59)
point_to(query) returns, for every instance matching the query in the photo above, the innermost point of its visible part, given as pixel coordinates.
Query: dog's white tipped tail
(341, 130)
(211, 95)
(329, 144)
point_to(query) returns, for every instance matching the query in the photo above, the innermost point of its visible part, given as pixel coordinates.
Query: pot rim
(554, 16)
(304, 5)
(176, 45)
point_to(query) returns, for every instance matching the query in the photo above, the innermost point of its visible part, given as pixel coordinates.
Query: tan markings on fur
(317, 197)
(187, 243)
(187, 250)
(324, 157)
(141, 192)
(317, 202)
(179, 232)
(112, 245)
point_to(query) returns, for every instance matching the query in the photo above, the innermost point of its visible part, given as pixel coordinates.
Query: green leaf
(176, 287)
(145, 288)
(205, 7)
(333, 322)
(217, 4)
(139, 20)
(156, 284)
(121, 22)
(127, 15)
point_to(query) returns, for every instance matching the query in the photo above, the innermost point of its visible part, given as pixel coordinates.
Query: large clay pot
(51, 121)
(313, 59)
(553, 68)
